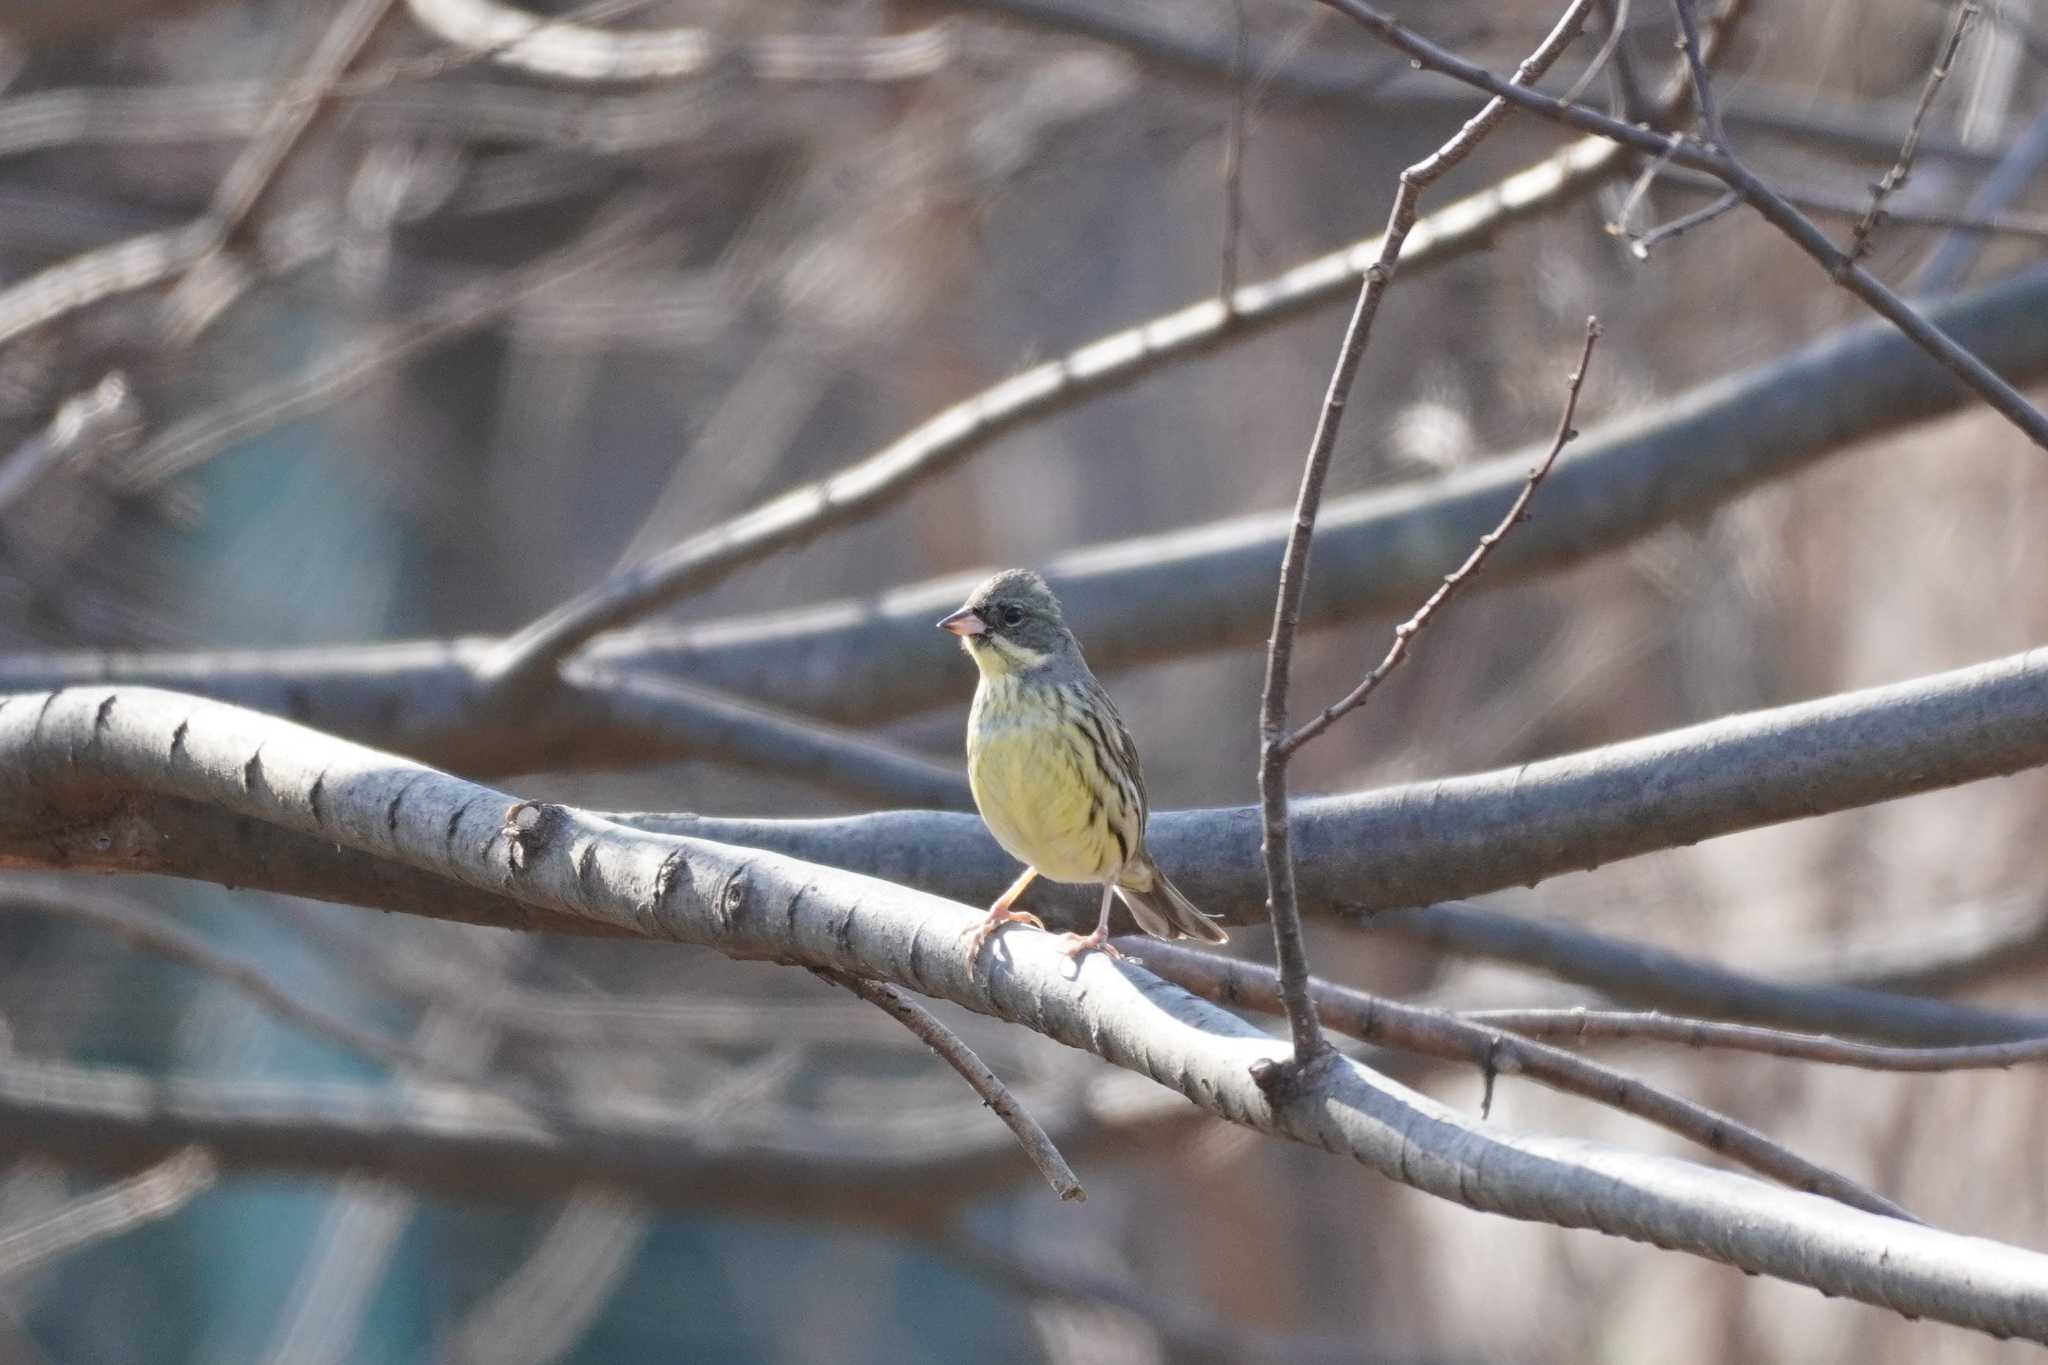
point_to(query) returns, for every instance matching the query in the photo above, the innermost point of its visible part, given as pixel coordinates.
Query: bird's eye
(1013, 616)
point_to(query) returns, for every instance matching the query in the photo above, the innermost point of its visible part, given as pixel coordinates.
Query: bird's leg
(1073, 945)
(1000, 914)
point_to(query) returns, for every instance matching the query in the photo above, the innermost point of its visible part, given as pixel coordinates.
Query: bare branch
(1976, 221)
(527, 658)
(192, 441)
(156, 1193)
(86, 428)
(569, 866)
(1185, 1330)
(1274, 749)
(872, 659)
(542, 1309)
(2009, 179)
(1400, 846)
(1517, 513)
(570, 51)
(985, 1083)
(1378, 552)
(255, 170)
(1638, 974)
(1622, 1026)
(110, 913)
(1496, 1051)
(1839, 266)
(1895, 178)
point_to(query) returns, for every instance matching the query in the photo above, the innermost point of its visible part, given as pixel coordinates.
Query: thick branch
(1496, 1051)
(1423, 842)
(1399, 846)
(750, 904)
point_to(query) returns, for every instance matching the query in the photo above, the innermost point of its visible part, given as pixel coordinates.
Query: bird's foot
(1074, 945)
(996, 919)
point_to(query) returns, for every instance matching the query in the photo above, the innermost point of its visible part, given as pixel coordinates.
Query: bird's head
(1012, 624)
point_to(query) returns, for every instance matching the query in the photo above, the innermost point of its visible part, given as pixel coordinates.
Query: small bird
(1054, 772)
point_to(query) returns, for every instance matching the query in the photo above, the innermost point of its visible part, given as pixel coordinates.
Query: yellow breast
(1040, 785)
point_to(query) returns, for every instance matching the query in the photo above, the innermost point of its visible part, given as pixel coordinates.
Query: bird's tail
(1163, 912)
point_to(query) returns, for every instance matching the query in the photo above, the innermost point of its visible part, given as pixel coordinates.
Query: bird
(1053, 770)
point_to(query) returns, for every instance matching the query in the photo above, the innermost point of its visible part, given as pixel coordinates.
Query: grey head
(1012, 623)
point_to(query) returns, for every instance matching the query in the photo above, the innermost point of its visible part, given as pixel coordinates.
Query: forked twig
(1895, 178)
(1273, 748)
(1517, 513)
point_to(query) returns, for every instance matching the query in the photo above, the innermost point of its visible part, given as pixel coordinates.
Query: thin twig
(1652, 1026)
(1976, 220)
(255, 170)
(1233, 154)
(2016, 171)
(1277, 849)
(1840, 268)
(1696, 73)
(156, 1193)
(1640, 244)
(1895, 178)
(1517, 513)
(1437, 1033)
(1037, 1144)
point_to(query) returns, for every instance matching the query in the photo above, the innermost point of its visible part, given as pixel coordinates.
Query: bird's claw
(994, 920)
(1074, 945)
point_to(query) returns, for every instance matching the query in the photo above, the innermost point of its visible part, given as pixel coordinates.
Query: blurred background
(490, 330)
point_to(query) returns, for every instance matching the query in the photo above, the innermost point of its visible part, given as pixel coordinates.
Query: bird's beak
(964, 623)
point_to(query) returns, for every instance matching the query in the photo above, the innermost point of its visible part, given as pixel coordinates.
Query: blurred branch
(529, 658)
(455, 1144)
(1717, 161)
(571, 866)
(2016, 170)
(543, 1308)
(1377, 552)
(1616, 1026)
(192, 441)
(160, 257)
(1186, 1332)
(1497, 1052)
(1970, 222)
(137, 925)
(526, 660)
(954, 1053)
(255, 170)
(158, 1192)
(1638, 974)
(1276, 745)
(565, 51)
